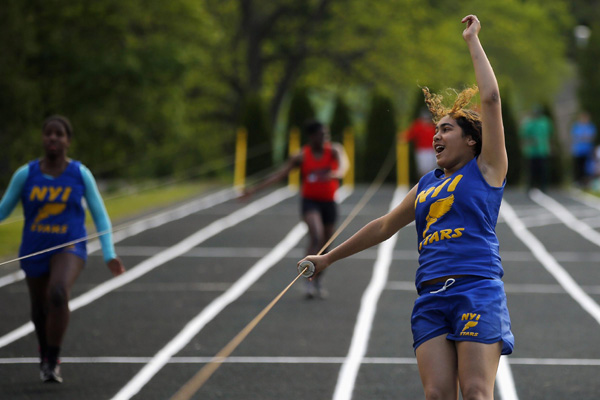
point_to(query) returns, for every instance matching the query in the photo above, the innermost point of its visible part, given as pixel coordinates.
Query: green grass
(121, 205)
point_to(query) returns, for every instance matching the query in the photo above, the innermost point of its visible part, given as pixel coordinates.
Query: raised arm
(343, 160)
(493, 161)
(292, 163)
(371, 234)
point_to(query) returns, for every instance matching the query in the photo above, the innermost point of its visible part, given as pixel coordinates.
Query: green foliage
(380, 137)
(340, 121)
(155, 88)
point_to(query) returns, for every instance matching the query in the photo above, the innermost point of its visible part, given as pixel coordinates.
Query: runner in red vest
(322, 163)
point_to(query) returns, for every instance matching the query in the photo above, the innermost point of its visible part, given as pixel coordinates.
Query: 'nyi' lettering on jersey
(455, 218)
(53, 209)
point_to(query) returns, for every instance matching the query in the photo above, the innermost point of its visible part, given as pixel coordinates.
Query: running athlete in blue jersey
(51, 191)
(460, 321)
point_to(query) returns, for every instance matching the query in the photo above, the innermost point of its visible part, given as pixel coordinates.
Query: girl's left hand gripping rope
(308, 266)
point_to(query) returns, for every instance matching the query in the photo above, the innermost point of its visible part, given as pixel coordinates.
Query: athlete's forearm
(99, 214)
(368, 236)
(484, 73)
(13, 192)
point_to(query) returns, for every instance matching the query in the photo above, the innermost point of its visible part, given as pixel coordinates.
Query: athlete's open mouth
(439, 148)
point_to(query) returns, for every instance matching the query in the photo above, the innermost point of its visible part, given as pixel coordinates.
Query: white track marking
(172, 252)
(145, 224)
(504, 380)
(549, 262)
(573, 362)
(211, 311)
(410, 255)
(565, 216)
(193, 327)
(536, 288)
(364, 321)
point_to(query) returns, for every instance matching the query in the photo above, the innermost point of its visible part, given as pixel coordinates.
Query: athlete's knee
(437, 393)
(477, 391)
(58, 295)
(317, 240)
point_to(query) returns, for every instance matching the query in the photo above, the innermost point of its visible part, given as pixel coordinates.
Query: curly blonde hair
(435, 104)
(467, 119)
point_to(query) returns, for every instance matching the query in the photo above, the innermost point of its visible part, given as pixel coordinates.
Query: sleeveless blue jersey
(53, 209)
(456, 221)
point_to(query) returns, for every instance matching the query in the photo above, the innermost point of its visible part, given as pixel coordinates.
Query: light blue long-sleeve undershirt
(92, 197)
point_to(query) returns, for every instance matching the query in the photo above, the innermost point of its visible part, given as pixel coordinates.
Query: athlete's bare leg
(438, 367)
(64, 270)
(477, 368)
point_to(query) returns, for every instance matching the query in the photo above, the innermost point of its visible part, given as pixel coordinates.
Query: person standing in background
(535, 133)
(420, 133)
(583, 134)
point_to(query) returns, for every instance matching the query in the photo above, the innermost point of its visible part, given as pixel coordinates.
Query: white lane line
(504, 380)
(405, 286)
(145, 224)
(565, 216)
(212, 310)
(549, 262)
(172, 252)
(362, 329)
(588, 199)
(551, 265)
(573, 362)
(411, 255)
(537, 288)
(13, 277)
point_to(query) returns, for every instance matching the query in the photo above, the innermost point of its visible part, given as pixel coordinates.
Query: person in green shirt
(535, 134)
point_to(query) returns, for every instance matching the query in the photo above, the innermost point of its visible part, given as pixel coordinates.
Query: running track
(199, 273)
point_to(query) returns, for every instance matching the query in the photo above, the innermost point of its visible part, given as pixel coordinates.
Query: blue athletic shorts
(471, 309)
(39, 265)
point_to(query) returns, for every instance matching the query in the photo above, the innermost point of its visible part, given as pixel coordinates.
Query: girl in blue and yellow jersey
(51, 191)
(460, 320)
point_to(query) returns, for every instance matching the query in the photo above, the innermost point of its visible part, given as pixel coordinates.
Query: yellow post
(402, 160)
(241, 145)
(349, 147)
(294, 148)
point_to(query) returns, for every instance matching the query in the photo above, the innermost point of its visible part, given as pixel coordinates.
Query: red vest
(316, 183)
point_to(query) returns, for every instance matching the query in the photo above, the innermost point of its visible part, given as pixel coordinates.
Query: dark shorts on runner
(37, 266)
(470, 309)
(327, 209)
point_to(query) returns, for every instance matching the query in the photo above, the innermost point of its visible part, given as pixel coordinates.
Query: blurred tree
(340, 121)
(380, 137)
(300, 111)
(515, 175)
(259, 136)
(145, 79)
(558, 158)
(589, 76)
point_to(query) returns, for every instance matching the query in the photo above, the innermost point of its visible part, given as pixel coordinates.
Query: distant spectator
(535, 133)
(421, 133)
(583, 134)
